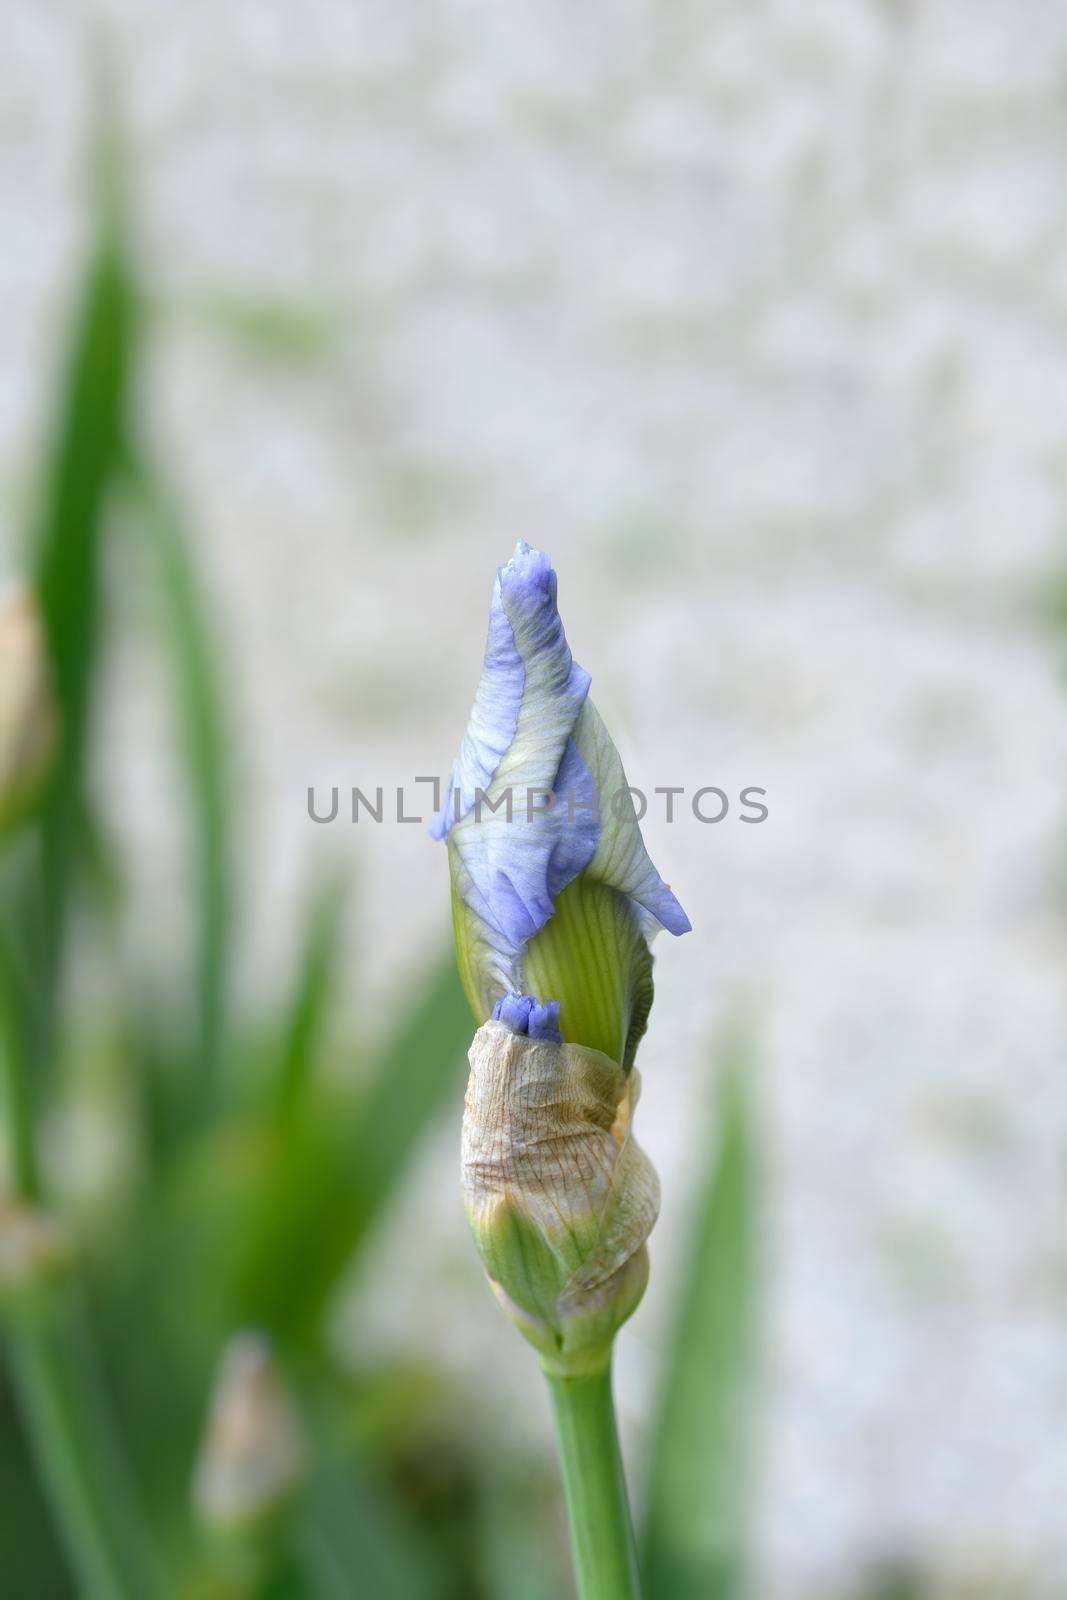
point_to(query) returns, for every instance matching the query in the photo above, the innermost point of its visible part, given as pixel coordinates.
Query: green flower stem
(602, 1538)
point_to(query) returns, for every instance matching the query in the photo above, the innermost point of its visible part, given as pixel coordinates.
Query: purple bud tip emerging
(524, 1013)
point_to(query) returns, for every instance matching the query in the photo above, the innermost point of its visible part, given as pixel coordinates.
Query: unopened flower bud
(35, 1248)
(253, 1456)
(553, 894)
(560, 1197)
(29, 719)
(552, 887)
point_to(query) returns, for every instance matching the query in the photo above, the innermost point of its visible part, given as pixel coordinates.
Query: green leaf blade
(695, 1532)
(79, 473)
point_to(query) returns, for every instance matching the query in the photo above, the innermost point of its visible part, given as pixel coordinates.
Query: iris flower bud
(553, 891)
(553, 895)
(29, 720)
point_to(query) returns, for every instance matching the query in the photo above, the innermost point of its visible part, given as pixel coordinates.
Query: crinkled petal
(517, 846)
(525, 1014)
(620, 859)
(493, 718)
(517, 859)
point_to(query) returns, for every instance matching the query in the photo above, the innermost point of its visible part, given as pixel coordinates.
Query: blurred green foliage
(197, 697)
(281, 332)
(263, 1176)
(79, 474)
(700, 1482)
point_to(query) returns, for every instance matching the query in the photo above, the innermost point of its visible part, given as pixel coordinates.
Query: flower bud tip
(525, 1014)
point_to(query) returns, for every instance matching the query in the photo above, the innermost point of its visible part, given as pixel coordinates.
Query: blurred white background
(755, 317)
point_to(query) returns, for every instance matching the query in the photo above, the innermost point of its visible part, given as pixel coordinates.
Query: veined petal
(528, 671)
(514, 845)
(522, 844)
(493, 718)
(620, 859)
(593, 955)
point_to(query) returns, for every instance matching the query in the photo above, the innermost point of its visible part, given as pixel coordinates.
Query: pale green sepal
(593, 957)
(620, 859)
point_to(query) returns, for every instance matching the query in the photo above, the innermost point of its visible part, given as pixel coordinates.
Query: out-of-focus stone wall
(755, 317)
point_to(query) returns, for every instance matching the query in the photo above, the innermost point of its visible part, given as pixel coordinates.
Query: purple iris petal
(621, 860)
(534, 733)
(518, 743)
(577, 820)
(667, 909)
(527, 586)
(525, 639)
(525, 1014)
(520, 866)
(493, 719)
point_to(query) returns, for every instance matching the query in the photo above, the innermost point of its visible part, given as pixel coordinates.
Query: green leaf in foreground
(64, 1411)
(310, 1005)
(356, 1538)
(79, 472)
(198, 705)
(694, 1544)
(336, 1170)
(77, 1456)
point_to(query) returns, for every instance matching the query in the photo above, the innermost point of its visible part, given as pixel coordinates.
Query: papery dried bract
(560, 1197)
